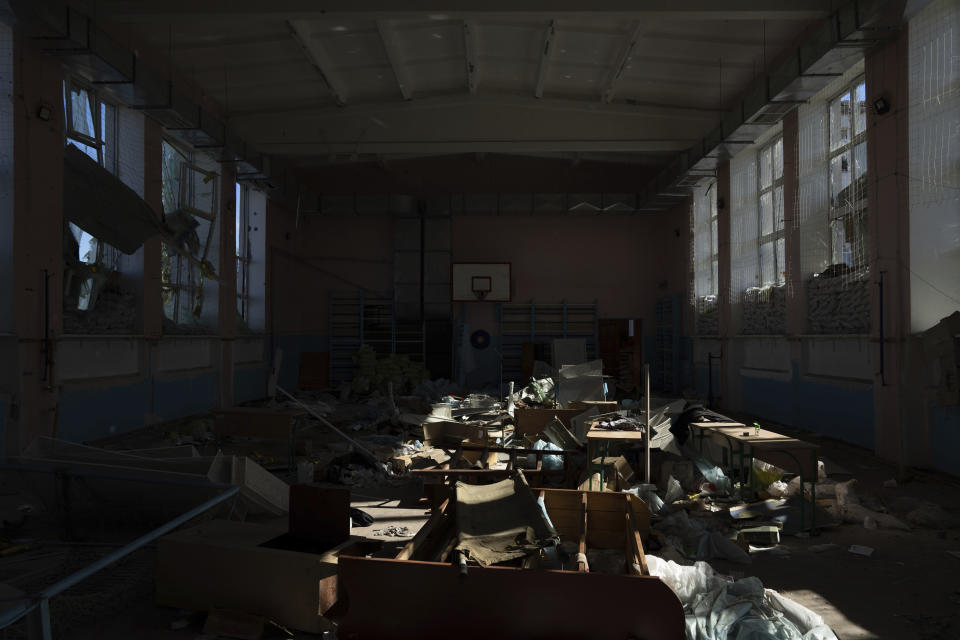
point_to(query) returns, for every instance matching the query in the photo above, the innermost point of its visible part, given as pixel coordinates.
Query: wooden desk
(773, 448)
(601, 438)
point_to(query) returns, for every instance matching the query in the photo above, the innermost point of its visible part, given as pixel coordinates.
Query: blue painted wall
(250, 383)
(844, 412)
(945, 439)
(185, 396)
(293, 345)
(89, 414)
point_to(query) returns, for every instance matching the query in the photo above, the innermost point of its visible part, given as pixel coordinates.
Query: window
(243, 246)
(705, 258)
(91, 126)
(189, 210)
(847, 175)
(770, 209)
(705, 253)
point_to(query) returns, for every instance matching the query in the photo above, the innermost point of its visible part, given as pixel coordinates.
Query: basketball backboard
(487, 281)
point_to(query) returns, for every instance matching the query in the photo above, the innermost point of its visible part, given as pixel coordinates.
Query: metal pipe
(42, 600)
(646, 375)
(106, 561)
(360, 448)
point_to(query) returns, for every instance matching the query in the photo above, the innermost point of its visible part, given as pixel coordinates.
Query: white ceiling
(355, 79)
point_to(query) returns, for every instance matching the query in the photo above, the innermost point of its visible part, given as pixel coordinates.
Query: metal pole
(646, 375)
(360, 448)
(106, 561)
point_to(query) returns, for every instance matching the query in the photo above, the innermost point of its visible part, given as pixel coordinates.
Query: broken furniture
(261, 422)
(385, 597)
(748, 443)
(531, 421)
(285, 574)
(439, 478)
(598, 445)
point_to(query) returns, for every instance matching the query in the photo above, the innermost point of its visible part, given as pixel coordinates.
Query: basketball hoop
(481, 286)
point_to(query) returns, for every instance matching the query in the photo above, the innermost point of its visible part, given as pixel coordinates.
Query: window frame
(242, 250)
(100, 142)
(778, 233)
(843, 213)
(188, 169)
(98, 105)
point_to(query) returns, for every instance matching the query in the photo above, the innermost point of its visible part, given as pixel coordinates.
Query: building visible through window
(771, 225)
(705, 257)
(847, 177)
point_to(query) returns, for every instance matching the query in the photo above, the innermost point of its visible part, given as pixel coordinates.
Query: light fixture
(881, 106)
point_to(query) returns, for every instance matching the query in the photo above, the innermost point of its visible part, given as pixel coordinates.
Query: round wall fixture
(479, 339)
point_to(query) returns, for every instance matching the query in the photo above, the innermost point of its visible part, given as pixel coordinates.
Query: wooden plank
(642, 513)
(433, 524)
(633, 532)
(582, 566)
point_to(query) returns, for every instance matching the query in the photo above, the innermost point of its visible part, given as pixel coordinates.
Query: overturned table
(749, 443)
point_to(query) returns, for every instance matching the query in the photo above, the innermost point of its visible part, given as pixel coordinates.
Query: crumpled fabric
(718, 608)
(689, 535)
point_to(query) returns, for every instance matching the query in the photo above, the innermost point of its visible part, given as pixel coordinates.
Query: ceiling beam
(622, 64)
(388, 35)
(546, 53)
(639, 110)
(471, 51)
(319, 59)
(166, 11)
(352, 147)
